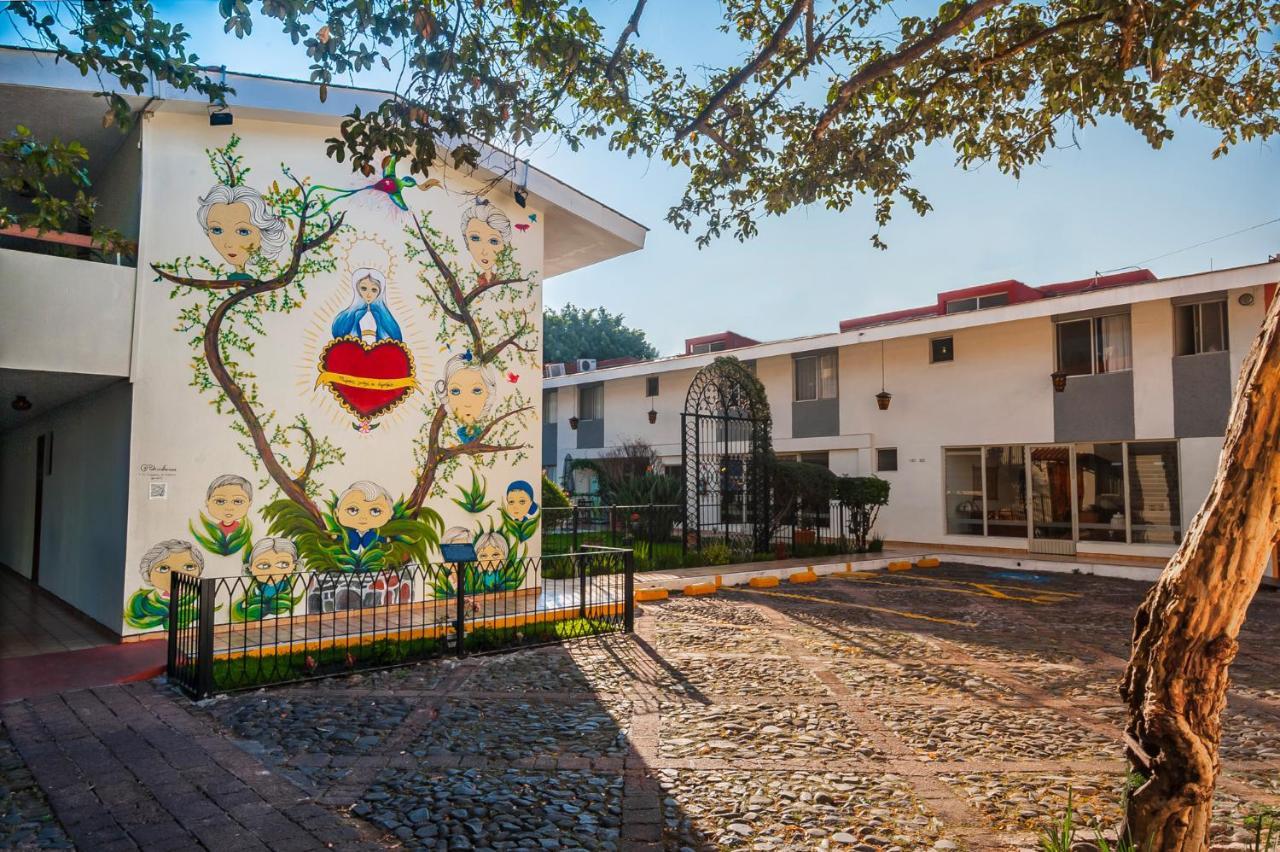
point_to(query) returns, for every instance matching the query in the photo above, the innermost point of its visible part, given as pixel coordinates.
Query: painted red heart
(368, 381)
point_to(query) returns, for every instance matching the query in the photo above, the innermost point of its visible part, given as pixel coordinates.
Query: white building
(979, 447)
(124, 458)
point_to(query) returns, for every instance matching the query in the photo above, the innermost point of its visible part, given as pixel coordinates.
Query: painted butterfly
(533, 217)
(513, 377)
(522, 227)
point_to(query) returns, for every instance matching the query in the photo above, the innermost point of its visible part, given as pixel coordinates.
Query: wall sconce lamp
(1059, 381)
(21, 403)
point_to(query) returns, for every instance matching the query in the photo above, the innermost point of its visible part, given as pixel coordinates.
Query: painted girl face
(232, 233)
(161, 573)
(271, 567)
(490, 557)
(228, 504)
(484, 243)
(467, 395)
(368, 289)
(518, 504)
(362, 515)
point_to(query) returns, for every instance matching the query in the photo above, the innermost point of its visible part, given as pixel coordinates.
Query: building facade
(297, 348)
(980, 446)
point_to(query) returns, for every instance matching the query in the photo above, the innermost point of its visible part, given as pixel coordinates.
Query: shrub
(862, 496)
(717, 553)
(876, 544)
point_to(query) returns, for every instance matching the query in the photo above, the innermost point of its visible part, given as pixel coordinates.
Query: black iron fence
(652, 531)
(235, 633)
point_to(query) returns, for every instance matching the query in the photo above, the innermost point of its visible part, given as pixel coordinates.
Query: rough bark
(1185, 631)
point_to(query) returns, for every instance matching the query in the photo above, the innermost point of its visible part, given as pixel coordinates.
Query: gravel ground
(511, 809)
(944, 710)
(26, 820)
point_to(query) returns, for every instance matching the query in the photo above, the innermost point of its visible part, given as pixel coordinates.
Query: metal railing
(233, 633)
(651, 530)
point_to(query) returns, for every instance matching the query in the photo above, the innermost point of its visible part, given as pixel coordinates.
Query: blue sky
(1110, 203)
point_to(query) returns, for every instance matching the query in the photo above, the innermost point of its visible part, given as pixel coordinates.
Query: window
(977, 303)
(1006, 494)
(941, 350)
(1200, 328)
(815, 377)
(963, 498)
(703, 348)
(821, 459)
(1100, 499)
(651, 386)
(886, 459)
(1154, 507)
(1094, 345)
(591, 402)
(550, 413)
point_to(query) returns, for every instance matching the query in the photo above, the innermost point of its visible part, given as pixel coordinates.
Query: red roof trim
(1018, 293)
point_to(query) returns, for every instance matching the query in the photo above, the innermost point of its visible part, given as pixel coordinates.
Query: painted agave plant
(216, 540)
(263, 600)
(407, 538)
(474, 499)
(148, 609)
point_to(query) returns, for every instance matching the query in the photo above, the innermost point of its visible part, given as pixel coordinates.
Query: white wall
(65, 316)
(82, 545)
(119, 188)
(1197, 466)
(1152, 325)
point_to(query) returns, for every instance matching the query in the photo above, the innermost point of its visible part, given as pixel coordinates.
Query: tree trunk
(1185, 631)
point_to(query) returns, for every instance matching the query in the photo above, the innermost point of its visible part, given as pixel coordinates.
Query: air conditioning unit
(553, 371)
(586, 365)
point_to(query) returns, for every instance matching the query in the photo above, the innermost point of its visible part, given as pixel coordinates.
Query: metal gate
(725, 454)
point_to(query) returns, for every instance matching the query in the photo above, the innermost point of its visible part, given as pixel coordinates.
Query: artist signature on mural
(157, 469)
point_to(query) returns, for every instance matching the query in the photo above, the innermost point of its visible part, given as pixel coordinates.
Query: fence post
(649, 534)
(460, 626)
(206, 592)
(629, 590)
(171, 654)
(574, 539)
(582, 586)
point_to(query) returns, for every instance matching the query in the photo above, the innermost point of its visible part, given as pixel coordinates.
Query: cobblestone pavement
(954, 708)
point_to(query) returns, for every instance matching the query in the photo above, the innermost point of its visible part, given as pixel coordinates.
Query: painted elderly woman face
(518, 504)
(271, 567)
(490, 557)
(228, 504)
(362, 514)
(484, 243)
(232, 233)
(467, 394)
(161, 573)
(368, 289)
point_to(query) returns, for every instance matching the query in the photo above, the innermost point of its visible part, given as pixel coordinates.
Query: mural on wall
(272, 243)
(227, 528)
(148, 608)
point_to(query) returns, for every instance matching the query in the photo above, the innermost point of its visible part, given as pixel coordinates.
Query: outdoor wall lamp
(653, 414)
(573, 422)
(1059, 380)
(21, 403)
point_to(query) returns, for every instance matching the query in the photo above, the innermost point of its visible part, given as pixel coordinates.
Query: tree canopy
(831, 99)
(574, 332)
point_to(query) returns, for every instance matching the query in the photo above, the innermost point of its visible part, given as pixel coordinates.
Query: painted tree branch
(290, 486)
(1185, 632)
(312, 453)
(886, 65)
(462, 314)
(746, 72)
(436, 455)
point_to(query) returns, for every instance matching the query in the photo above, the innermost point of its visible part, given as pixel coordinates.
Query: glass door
(1051, 487)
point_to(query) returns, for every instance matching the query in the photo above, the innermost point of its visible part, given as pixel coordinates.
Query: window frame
(1197, 327)
(1096, 342)
(552, 396)
(597, 389)
(818, 388)
(951, 349)
(880, 466)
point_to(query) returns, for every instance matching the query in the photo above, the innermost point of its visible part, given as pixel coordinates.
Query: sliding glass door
(1050, 485)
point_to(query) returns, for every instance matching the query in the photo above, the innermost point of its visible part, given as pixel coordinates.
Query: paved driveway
(951, 708)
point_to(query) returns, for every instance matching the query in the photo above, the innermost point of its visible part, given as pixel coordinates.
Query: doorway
(1051, 490)
(44, 450)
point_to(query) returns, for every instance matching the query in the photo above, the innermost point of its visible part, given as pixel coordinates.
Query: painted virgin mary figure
(367, 318)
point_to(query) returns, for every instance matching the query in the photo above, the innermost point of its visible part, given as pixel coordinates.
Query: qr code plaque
(159, 490)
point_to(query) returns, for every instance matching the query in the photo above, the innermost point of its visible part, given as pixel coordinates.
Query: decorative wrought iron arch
(726, 433)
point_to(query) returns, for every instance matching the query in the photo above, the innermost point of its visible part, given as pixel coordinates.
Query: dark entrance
(44, 459)
(726, 429)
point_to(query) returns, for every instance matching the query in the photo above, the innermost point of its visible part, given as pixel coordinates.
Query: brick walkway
(948, 709)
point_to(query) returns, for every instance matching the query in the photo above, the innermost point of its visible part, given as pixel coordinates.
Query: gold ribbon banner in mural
(365, 382)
